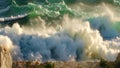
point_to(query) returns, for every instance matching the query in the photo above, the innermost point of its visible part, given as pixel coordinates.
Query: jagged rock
(5, 58)
(117, 62)
(118, 58)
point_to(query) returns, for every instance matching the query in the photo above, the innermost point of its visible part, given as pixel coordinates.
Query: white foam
(75, 39)
(5, 42)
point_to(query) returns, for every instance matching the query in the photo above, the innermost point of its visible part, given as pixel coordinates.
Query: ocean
(60, 30)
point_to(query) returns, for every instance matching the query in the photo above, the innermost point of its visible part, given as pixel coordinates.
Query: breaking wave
(60, 30)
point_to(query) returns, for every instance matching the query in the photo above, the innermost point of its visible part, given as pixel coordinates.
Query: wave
(61, 30)
(72, 41)
(44, 8)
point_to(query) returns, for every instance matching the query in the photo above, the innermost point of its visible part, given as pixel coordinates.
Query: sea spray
(92, 40)
(93, 35)
(74, 39)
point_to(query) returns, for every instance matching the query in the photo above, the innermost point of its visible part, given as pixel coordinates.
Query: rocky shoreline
(71, 64)
(57, 64)
(6, 62)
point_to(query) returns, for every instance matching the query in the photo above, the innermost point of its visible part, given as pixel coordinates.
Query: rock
(117, 61)
(5, 50)
(118, 58)
(56, 64)
(5, 58)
